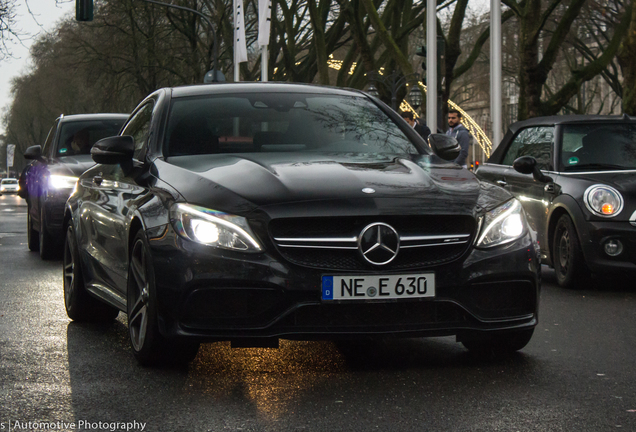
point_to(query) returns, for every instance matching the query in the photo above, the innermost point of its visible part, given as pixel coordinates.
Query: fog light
(613, 247)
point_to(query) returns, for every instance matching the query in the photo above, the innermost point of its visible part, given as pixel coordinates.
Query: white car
(9, 185)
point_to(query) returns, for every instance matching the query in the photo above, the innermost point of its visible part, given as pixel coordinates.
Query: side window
(46, 148)
(139, 128)
(537, 142)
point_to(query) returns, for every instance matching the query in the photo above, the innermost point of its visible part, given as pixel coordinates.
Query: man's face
(410, 121)
(453, 119)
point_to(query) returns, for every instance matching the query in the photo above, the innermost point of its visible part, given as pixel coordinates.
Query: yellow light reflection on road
(271, 380)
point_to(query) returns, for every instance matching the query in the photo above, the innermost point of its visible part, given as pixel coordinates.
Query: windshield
(9, 181)
(77, 138)
(276, 122)
(599, 147)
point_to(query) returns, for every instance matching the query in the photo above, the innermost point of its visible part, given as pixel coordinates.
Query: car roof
(255, 87)
(97, 116)
(569, 119)
(9, 178)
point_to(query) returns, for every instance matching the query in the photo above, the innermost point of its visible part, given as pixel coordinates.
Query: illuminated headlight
(502, 225)
(62, 182)
(213, 228)
(603, 200)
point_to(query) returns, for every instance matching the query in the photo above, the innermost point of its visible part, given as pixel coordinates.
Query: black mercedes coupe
(252, 212)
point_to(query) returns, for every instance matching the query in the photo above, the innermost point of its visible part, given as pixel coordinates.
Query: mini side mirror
(444, 146)
(33, 152)
(113, 150)
(528, 165)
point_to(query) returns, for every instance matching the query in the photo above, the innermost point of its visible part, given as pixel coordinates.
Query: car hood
(623, 181)
(72, 165)
(418, 184)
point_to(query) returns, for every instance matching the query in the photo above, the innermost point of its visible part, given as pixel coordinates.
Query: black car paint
(107, 212)
(546, 202)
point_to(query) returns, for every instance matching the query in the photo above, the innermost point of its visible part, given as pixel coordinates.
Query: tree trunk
(627, 60)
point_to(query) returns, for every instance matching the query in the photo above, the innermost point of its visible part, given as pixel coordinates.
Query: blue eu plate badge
(327, 287)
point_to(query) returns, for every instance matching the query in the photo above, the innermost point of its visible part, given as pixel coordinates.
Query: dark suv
(51, 177)
(576, 178)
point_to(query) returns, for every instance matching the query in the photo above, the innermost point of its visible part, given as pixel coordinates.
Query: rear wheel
(499, 344)
(569, 264)
(33, 238)
(80, 306)
(149, 346)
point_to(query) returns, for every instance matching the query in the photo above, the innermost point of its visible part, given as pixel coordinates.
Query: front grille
(332, 243)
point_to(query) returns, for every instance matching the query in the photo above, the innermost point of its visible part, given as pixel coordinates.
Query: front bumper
(54, 202)
(211, 294)
(594, 237)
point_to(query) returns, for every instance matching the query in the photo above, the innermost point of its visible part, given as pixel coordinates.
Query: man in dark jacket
(460, 133)
(421, 129)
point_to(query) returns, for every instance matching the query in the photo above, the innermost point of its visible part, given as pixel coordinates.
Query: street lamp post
(394, 83)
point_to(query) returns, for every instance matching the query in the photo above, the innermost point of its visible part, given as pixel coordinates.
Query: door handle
(501, 182)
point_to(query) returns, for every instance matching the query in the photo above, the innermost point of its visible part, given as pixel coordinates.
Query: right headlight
(603, 200)
(62, 182)
(502, 225)
(213, 228)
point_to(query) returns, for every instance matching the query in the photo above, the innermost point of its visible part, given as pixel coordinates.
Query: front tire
(149, 346)
(569, 264)
(80, 306)
(499, 344)
(49, 247)
(33, 237)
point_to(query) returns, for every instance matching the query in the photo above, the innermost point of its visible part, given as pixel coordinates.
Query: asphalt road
(577, 374)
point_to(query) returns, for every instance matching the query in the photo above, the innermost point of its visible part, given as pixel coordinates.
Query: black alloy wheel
(149, 346)
(567, 257)
(33, 237)
(80, 306)
(498, 344)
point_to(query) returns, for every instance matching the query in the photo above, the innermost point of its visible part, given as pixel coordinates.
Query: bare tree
(7, 26)
(628, 65)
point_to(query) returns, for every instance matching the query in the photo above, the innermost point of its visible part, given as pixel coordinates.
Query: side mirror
(113, 150)
(528, 165)
(33, 152)
(444, 146)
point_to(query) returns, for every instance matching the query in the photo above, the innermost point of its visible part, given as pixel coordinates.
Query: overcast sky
(45, 15)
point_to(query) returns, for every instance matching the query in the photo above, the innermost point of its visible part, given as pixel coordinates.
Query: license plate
(378, 287)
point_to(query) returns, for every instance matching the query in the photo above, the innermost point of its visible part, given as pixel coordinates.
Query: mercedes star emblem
(379, 243)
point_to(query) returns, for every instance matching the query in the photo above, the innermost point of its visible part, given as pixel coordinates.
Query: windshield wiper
(578, 167)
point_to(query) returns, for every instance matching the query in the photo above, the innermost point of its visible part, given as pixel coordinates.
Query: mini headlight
(213, 228)
(603, 200)
(502, 225)
(62, 182)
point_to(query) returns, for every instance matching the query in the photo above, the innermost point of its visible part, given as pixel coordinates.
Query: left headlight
(62, 182)
(502, 225)
(213, 228)
(603, 200)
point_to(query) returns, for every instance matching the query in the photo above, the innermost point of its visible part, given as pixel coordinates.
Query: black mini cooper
(576, 178)
(257, 211)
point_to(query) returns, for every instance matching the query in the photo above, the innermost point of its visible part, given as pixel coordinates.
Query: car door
(106, 214)
(38, 175)
(538, 142)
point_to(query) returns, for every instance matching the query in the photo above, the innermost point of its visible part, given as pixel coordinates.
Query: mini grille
(330, 243)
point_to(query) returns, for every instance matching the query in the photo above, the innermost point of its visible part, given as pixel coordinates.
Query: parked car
(576, 178)
(52, 175)
(9, 186)
(257, 211)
